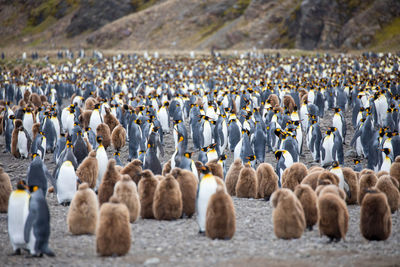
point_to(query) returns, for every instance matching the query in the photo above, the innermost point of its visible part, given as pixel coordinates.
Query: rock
(152, 261)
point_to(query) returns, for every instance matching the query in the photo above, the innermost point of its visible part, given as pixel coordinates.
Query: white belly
(163, 118)
(103, 161)
(95, 120)
(66, 184)
(386, 164)
(327, 144)
(337, 122)
(28, 123)
(22, 144)
(207, 134)
(207, 188)
(339, 173)
(238, 148)
(18, 209)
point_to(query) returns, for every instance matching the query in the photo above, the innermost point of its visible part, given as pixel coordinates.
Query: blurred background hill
(339, 25)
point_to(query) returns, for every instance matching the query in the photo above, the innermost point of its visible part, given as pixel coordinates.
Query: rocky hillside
(202, 24)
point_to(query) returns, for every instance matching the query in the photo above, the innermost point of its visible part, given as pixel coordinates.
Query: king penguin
(339, 122)
(18, 209)
(66, 183)
(95, 118)
(102, 159)
(24, 142)
(313, 139)
(151, 160)
(207, 187)
(38, 174)
(336, 169)
(285, 160)
(37, 226)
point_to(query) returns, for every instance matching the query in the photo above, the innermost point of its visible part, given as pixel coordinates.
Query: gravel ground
(171, 243)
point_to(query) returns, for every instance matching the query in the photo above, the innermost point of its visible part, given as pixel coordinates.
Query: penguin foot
(16, 252)
(203, 233)
(309, 228)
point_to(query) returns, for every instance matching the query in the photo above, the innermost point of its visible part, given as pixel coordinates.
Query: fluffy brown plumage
(273, 100)
(14, 139)
(126, 192)
(333, 217)
(395, 169)
(90, 103)
(118, 137)
(110, 119)
(84, 118)
(351, 179)
(232, 176)
(386, 186)
(292, 176)
(267, 180)
(133, 169)
(188, 186)
(330, 188)
(166, 168)
(104, 131)
(288, 214)
(110, 178)
(246, 186)
(35, 129)
(329, 176)
(34, 98)
(381, 173)
(220, 216)
(367, 181)
(113, 235)
(308, 199)
(216, 169)
(5, 190)
(288, 103)
(147, 186)
(88, 170)
(167, 203)
(311, 179)
(375, 217)
(83, 212)
(315, 169)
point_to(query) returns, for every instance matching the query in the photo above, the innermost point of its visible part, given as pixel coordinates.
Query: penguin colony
(81, 111)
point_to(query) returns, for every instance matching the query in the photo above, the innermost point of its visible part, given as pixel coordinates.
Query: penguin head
(212, 146)
(278, 154)
(138, 122)
(21, 185)
(11, 117)
(204, 149)
(205, 170)
(99, 139)
(222, 157)
(251, 158)
(117, 154)
(141, 152)
(188, 155)
(337, 110)
(335, 164)
(34, 155)
(97, 105)
(386, 151)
